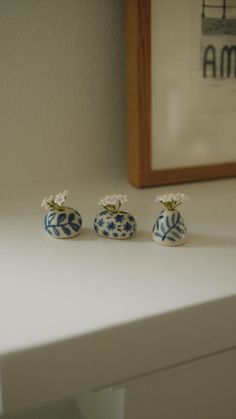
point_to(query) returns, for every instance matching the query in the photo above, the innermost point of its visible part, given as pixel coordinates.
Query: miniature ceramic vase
(117, 225)
(169, 228)
(63, 224)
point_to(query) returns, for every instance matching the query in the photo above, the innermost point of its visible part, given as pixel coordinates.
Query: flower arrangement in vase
(112, 222)
(169, 228)
(61, 222)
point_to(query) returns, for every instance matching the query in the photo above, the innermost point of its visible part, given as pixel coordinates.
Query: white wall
(62, 88)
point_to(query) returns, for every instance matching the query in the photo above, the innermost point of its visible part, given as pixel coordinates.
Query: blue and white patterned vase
(169, 229)
(63, 224)
(115, 225)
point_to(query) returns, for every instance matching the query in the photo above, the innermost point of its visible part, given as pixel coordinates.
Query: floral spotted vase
(169, 228)
(61, 222)
(113, 223)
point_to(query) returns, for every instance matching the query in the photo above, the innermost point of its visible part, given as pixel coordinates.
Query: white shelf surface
(123, 308)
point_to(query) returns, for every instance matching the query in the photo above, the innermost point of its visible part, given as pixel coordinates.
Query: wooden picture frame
(141, 174)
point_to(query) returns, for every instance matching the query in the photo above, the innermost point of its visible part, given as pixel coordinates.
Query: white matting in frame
(193, 117)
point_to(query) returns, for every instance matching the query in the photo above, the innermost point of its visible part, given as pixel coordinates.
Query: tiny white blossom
(54, 201)
(44, 203)
(47, 202)
(60, 198)
(172, 200)
(112, 202)
(122, 198)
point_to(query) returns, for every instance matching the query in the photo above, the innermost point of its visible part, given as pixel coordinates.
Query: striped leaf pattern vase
(169, 229)
(63, 224)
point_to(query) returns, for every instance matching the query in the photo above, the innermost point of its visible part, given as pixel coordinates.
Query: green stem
(112, 208)
(171, 205)
(56, 206)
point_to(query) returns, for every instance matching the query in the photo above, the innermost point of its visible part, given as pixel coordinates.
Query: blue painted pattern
(169, 228)
(119, 225)
(62, 224)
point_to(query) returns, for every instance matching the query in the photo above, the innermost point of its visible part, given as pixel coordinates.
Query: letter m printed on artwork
(227, 62)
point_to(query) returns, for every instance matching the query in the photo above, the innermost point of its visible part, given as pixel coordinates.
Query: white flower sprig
(112, 203)
(55, 201)
(171, 200)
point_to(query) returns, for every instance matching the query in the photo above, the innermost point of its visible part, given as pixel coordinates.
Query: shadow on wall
(66, 409)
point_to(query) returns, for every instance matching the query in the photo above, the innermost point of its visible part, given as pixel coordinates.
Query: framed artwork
(181, 59)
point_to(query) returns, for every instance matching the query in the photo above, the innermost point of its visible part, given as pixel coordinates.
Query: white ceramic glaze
(118, 225)
(63, 224)
(169, 229)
